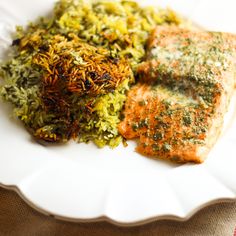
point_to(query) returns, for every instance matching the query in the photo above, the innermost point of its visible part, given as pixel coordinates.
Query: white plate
(81, 182)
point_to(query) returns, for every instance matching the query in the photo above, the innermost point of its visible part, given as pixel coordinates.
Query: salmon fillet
(177, 108)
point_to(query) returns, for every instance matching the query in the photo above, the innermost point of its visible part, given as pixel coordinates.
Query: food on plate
(177, 108)
(68, 74)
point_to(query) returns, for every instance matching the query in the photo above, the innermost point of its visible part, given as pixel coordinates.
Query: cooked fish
(177, 108)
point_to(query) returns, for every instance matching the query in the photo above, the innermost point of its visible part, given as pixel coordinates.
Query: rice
(69, 74)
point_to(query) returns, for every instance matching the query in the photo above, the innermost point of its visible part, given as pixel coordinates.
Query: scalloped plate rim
(105, 218)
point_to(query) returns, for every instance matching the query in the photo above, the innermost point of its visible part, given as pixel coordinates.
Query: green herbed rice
(81, 99)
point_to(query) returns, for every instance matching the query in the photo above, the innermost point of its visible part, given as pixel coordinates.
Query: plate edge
(104, 218)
